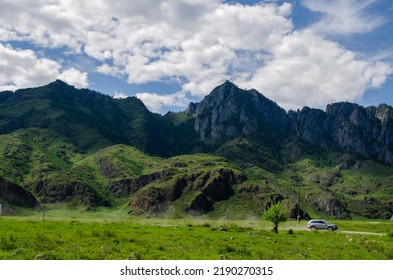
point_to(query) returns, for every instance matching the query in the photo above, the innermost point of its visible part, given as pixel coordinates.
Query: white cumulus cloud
(74, 77)
(24, 68)
(156, 101)
(309, 70)
(198, 43)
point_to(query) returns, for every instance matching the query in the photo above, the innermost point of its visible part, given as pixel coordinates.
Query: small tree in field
(276, 214)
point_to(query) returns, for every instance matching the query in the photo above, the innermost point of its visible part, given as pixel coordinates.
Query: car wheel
(330, 228)
(313, 228)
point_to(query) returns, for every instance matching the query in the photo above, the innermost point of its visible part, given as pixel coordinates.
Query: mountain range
(234, 151)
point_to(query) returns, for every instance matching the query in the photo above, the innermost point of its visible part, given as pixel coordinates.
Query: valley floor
(104, 236)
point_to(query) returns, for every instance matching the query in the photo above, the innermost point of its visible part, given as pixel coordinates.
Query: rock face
(368, 131)
(128, 186)
(71, 191)
(215, 187)
(331, 207)
(202, 189)
(229, 112)
(14, 194)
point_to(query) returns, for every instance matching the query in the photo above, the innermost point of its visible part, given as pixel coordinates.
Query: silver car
(321, 224)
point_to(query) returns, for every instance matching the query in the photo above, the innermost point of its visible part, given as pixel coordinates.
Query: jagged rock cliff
(368, 131)
(229, 112)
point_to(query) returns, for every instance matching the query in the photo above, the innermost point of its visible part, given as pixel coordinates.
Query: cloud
(344, 17)
(110, 70)
(202, 59)
(23, 68)
(151, 40)
(197, 44)
(309, 70)
(120, 95)
(46, 23)
(156, 101)
(74, 77)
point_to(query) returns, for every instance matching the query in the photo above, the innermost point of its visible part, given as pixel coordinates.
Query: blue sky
(170, 52)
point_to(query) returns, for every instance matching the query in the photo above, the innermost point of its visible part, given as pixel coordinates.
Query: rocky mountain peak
(341, 109)
(229, 111)
(218, 96)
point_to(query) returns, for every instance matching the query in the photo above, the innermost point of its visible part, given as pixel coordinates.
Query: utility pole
(45, 194)
(44, 183)
(298, 205)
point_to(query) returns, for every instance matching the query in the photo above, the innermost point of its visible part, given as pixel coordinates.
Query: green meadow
(113, 236)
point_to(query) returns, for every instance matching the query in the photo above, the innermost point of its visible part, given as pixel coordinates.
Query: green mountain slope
(67, 146)
(342, 187)
(87, 119)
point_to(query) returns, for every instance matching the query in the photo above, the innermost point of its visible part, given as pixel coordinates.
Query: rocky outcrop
(310, 125)
(229, 112)
(332, 207)
(128, 186)
(71, 191)
(199, 204)
(214, 187)
(327, 179)
(149, 200)
(328, 204)
(15, 195)
(367, 131)
(372, 208)
(207, 186)
(293, 212)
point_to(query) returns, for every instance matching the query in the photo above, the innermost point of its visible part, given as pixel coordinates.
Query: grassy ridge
(357, 191)
(181, 239)
(97, 151)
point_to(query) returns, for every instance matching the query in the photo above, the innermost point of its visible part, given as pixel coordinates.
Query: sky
(172, 52)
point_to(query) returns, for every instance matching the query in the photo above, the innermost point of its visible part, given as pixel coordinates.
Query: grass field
(113, 236)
